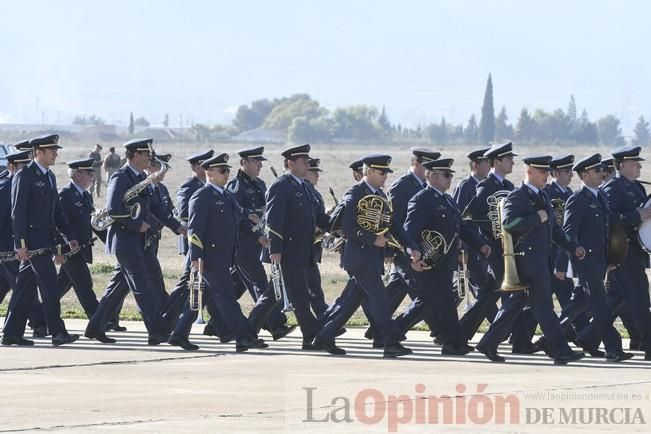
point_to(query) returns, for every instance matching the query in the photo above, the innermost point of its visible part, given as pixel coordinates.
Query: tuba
(511, 280)
(493, 215)
(434, 247)
(374, 215)
(100, 219)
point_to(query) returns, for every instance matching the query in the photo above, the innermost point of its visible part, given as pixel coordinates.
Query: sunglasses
(445, 174)
(223, 170)
(598, 169)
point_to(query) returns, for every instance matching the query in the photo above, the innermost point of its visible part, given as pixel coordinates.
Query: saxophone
(100, 220)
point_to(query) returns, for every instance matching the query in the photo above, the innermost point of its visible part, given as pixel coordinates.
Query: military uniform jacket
(212, 229)
(560, 256)
(36, 212)
(465, 191)
(162, 211)
(431, 210)
(250, 194)
(187, 189)
(124, 235)
(400, 192)
(319, 209)
(359, 250)
(624, 199)
(586, 223)
(6, 231)
(77, 208)
(478, 208)
(292, 220)
(530, 235)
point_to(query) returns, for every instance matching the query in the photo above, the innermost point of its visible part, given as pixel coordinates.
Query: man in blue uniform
(37, 220)
(213, 231)
(625, 195)
(529, 218)
(363, 258)
(433, 215)
(317, 298)
(482, 210)
(464, 192)
(179, 295)
(9, 270)
(126, 240)
(249, 190)
(77, 205)
(586, 223)
(401, 278)
(291, 223)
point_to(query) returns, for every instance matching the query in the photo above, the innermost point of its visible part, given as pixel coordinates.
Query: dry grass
(334, 161)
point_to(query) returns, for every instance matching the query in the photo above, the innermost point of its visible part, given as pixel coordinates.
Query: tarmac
(132, 387)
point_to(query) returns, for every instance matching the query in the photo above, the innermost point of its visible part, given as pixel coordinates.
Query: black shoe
(157, 339)
(311, 345)
(99, 336)
(619, 356)
(544, 346)
(182, 342)
(594, 352)
(378, 344)
(16, 340)
(572, 356)
(329, 346)
(438, 341)
(634, 345)
(528, 348)
(647, 356)
(282, 331)
(454, 350)
(63, 338)
(396, 350)
(369, 334)
(209, 330)
(340, 332)
(39, 332)
(226, 339)
(491, 355)
(248, 343)
(468, 348)
(112, 326)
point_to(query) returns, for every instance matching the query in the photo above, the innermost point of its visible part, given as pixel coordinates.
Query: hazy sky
(421, 59)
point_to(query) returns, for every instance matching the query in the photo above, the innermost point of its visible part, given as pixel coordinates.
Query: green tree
(642, 135)
(571, 110)
(471, 133)
(305, 130)
(383, 120)
(487, 122)
(131, 124)
(503, 131)
(609, 131)
(584, 131)
(250, 118)
(525, 129)
(437, 134)
(357, 122)
(142, 122)
(284, 112)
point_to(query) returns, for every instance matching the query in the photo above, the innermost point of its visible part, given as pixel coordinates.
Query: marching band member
(37, 218)
(625, 195)
(587, 223)
(214, 216)
(432, 209)
(526, 217)
(363, 259)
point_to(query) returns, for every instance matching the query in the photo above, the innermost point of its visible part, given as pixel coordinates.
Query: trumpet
(463, 280)
(101, 220)
(196, 286)
(280, 291)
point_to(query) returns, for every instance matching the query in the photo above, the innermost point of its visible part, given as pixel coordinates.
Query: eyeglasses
(223, 170)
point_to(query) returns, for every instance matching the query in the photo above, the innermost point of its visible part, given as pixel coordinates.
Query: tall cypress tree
(131, 124)
(487, 122)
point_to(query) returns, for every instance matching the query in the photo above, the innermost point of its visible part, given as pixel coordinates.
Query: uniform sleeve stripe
(513, 223)
(275, 233)
(194, 239)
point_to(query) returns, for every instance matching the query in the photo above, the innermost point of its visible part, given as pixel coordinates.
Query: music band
(489, 240)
